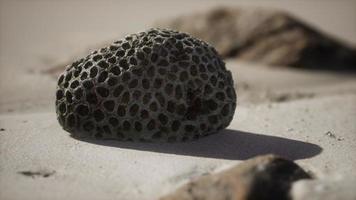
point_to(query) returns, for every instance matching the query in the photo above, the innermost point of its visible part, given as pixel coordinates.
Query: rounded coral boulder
(157, 85)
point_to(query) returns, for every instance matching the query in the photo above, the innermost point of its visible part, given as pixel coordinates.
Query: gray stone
(266, 36)
(262, 177)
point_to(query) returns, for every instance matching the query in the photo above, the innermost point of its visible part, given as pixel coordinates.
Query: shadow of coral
(227, 144)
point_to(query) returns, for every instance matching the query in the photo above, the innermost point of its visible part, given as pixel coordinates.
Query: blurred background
(39, 36)
(53, 30)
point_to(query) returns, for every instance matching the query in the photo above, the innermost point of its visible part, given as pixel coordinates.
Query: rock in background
(266, 36)
(262, 177)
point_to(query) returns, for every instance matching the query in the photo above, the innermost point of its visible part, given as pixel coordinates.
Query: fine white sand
(306, 116)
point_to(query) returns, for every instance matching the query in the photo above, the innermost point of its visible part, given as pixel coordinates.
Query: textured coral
(158, 85)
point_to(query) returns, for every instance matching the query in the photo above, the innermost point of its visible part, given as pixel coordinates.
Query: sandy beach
(306, 116)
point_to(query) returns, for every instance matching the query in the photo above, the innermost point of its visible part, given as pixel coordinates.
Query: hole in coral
(120, 53)
(68, 76)
(154, 57)
(147, 98)
(151, 125)
(60, 80)
(103, 92)
(74, 84)
(88, 126)
(203, 127)
(91, 98)
(69, 97)
(204, 76)
(62, 108)
(181, 109)
(153, 106)
(179, 92)
(78, 93)
(125, 76)
(88, 64)
(118, 90)
(211, 104)
(162, 71)
(138, 126)
(88, 84)
(112, 60)
(97, 57)
(146, 50)
(183, 76)
(213, 80)
(144, 114)
(112, 81)
(113, 121)
(121, 110)
(160, 98)
(84, 76)
(196, 59)
(145, 83)
(225, 110)
(134, 109)
(168, 89)
(220, 96)
(137, 71)
(82, 110)
(126, 45)
(125, 97)
(123, 63)
(163, 119)
(133, 61)
(98, 115)
(193, 70)
(71, 120)
(151, 71)
(59, 94)
(171, 106)
(140, 55)
(221, 85)
(126, 125)
(133, 83)
(213, 119)
(102, 76)
(175, 125)
(109, 105)
(163, 63)
(230, 92)
(107, 129)
(208, 90)
(136, 94)
(103, 64)
(115, 70)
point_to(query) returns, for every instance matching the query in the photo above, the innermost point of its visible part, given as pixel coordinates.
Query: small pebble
(330, 134)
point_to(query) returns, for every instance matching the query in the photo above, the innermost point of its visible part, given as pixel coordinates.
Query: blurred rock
(266, 36)
(327, 189)
(262, 177)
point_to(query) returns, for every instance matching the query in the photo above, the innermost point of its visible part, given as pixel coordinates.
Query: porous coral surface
(157, 85)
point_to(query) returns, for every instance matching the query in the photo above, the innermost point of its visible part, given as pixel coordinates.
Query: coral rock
(158, 85)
